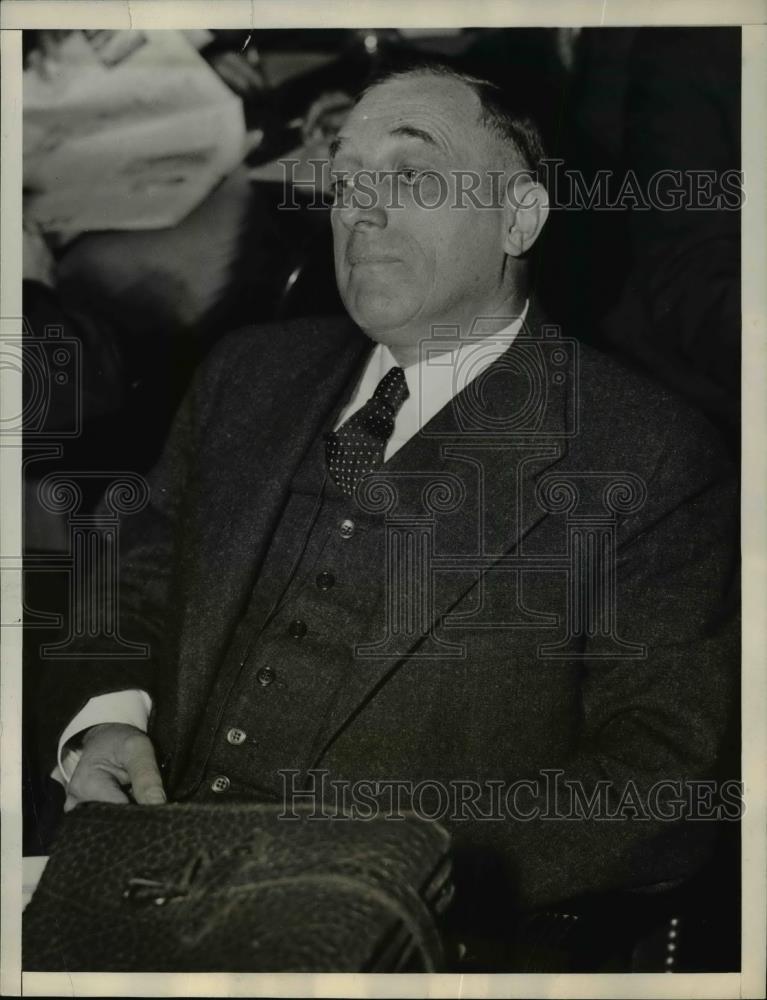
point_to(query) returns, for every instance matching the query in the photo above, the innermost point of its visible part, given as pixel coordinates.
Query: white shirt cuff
(131, 708)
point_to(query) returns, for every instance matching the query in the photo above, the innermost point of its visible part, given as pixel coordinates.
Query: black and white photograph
(383, 458)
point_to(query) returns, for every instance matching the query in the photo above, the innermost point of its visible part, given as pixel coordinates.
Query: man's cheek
(341, 267)
(339, 236)
(431, 192)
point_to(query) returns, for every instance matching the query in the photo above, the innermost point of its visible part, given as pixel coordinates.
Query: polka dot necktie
(358, 446)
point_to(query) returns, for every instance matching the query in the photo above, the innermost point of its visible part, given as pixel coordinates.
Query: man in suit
(435, 543)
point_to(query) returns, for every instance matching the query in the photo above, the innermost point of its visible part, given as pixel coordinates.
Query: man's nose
(363, 205)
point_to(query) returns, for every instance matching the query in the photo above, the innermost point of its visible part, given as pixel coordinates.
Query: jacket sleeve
(658, 733)
(142, 587)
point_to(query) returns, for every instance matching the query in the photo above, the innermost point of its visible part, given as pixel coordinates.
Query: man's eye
(341, 185)
(409, 175)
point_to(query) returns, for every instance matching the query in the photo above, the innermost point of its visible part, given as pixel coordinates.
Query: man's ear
(526, 208)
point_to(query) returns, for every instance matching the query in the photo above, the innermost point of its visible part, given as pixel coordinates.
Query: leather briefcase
(239, 888)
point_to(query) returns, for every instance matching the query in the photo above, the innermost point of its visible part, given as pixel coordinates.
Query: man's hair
(497, 113)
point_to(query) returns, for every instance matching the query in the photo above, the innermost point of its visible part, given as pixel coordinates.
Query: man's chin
(385, 323)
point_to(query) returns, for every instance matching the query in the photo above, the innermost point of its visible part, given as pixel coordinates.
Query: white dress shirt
(446, 368)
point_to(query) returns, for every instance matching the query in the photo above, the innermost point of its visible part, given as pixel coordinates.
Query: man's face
(402, 266)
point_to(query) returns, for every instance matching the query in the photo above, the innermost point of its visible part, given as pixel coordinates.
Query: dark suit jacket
(501, 711)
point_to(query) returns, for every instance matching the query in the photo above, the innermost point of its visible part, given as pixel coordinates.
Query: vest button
(265, 676)
(220, 783)
(346, 528)
(325, 581)
(297, 629)
(236, 736)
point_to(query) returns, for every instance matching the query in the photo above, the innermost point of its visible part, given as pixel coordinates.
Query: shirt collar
(446, 368)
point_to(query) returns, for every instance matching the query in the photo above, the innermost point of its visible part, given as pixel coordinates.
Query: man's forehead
(443, 107)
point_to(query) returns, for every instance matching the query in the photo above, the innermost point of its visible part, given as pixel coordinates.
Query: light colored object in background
(31, 870)
(308, 166)
(135, 143)
(165, 279)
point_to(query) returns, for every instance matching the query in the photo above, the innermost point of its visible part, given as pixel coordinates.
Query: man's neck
(483, 324)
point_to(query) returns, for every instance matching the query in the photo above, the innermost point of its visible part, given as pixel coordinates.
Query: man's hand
(114, 757)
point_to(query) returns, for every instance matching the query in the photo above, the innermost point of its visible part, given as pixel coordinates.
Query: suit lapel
(468, 481)
(251, 476)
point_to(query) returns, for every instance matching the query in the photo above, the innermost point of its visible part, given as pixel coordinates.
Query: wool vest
(317, 592)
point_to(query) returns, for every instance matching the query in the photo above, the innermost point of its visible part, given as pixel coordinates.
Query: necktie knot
(358, 446)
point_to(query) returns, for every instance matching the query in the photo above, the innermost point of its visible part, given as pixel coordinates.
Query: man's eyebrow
(411, 132)
(408, 131)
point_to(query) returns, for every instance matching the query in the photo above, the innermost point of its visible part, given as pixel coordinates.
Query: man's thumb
(144, 775)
